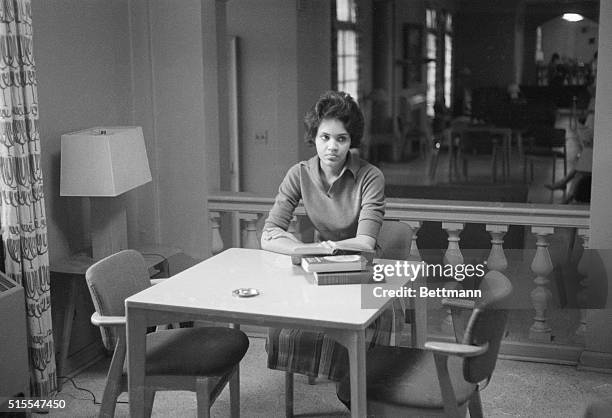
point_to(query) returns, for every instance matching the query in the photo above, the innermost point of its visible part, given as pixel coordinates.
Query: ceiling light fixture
(572, 17)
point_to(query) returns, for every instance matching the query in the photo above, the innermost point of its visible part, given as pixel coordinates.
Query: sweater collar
(351, 164)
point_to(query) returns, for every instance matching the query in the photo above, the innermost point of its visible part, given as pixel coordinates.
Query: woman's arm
(365, 242)
(274, 236)
(280, 241)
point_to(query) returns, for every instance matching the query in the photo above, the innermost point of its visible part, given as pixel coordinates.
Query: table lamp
(102, 163)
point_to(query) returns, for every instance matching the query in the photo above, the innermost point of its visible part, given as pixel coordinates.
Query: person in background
(579, 178)
(344, 199)
(556, 71)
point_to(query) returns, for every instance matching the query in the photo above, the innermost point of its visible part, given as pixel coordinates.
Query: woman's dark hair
(335, 105)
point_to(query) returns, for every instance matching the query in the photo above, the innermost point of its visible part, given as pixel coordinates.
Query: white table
(289, 298)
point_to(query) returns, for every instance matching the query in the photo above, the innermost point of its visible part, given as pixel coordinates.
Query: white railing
(540, 219)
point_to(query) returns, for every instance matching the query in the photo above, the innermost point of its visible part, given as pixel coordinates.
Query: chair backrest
(546, 136)
(487, 325)
(394, 240)
(112, 280)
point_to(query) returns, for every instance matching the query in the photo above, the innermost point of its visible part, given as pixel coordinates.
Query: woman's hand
(275, 233)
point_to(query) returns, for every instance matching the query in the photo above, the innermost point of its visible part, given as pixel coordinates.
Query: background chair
(474, 143)
(544, 141)
(443, 379)
(195, 359)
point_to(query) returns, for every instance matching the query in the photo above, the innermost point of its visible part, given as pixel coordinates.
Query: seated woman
(579, 178)
(344, 199)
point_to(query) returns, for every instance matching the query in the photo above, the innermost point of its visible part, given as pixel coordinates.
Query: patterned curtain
(22, 204)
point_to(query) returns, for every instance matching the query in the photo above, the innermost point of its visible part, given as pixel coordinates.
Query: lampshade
(103, 161)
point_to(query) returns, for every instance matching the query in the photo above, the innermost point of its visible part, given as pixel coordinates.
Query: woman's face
(333, 143)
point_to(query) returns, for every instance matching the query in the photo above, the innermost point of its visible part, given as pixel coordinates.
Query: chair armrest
(157, 281)
(107, 321)
(459, 303)
(453, 349)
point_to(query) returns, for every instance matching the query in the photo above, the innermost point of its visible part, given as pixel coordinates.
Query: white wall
(117, 62)
(283, 66)
(569, 39)
(169, 90)
(313, 62)
(82, 62)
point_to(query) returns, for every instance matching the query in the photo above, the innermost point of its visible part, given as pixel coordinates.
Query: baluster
(453, 257)
(582, 296)
(497, 258)
(294, 228)
(217, 241)
(250, 233)
(541, 266)
(414, 249)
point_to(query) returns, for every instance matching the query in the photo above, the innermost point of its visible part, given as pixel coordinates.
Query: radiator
(14, 374)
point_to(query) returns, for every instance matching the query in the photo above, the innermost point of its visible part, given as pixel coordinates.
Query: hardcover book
(345, 277)
(334, 263)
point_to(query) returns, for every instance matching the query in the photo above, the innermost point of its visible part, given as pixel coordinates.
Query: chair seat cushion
(407, 376)
(204, 351)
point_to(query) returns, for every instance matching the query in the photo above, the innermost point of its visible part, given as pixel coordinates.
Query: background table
(288, 298)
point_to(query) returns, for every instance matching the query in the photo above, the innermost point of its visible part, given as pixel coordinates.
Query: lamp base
(108, 226)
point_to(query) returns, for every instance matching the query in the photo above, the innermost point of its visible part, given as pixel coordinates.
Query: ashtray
(245, 292)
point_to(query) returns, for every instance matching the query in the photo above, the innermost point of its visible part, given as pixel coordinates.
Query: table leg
(355, 343)
(507, 157)
(357, 364)
(136, 348)
(418, 327)
(66, 330)
(451, 158)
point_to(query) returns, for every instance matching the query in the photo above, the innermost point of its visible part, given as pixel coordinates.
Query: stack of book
(353, 266)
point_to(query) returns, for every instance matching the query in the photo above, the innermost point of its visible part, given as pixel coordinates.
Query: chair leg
(475, 405)
(203, 397)
(494, 163)
(114, 381)
(288, 394)
(433, 167)
(148, 402)
(234, 386)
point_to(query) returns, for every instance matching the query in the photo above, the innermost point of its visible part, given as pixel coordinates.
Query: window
(439, 26)
(345, 68)
(432, 56)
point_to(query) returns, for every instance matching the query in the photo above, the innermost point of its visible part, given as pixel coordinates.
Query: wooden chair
(482, 141)
(544, 141)
(443, 379)
(195, 359)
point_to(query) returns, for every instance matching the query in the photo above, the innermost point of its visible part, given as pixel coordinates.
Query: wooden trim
(595, 361)
(529, 214)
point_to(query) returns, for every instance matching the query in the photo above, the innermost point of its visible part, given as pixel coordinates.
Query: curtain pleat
(22, 203)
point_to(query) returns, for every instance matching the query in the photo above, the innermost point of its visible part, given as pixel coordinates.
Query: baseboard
(567, 355)
(595, 361)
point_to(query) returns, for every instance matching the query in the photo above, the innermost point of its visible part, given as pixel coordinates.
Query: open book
(330, 248)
